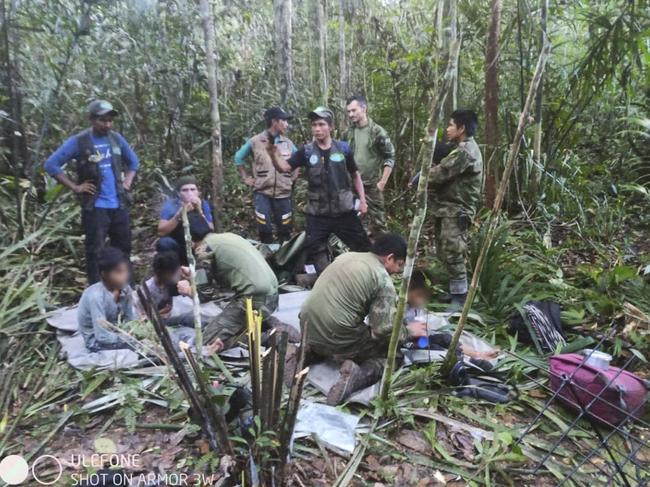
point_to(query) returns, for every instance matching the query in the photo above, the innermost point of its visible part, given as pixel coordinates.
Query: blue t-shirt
(172, 205)
(107, 193)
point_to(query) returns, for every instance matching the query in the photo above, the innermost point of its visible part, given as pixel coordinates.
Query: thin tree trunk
(450, 358)
(14, 128)
(321, 28)
(492, 102)
(453, 35)
(283, 30)
(436, 117)
(343, 64)
(207, 22)
(539, 97)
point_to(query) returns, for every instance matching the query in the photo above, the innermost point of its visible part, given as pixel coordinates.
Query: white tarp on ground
(334, 428)
(78, 356)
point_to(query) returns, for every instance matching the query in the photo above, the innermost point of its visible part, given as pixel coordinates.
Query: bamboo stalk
(426, 159)
(182, 376)
(253, 356)
(266, 396)
(280, 358)
(289, 422)
(215, 413)
(196, 305)
(450, 358)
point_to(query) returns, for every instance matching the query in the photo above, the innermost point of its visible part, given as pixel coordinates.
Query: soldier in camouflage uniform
(456, 192)
(355, 286)
(374, 154)
(231, 262)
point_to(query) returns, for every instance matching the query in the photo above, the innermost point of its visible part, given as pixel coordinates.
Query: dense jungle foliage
(577, 223)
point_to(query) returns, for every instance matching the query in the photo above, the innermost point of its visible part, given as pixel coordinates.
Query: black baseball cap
(276, 112)
(98, 108)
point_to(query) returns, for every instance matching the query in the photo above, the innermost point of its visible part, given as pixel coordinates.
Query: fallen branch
(450, 358)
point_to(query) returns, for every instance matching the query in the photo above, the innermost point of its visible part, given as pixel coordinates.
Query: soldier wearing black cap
(332, 180)
(106, 167)
(271, 189)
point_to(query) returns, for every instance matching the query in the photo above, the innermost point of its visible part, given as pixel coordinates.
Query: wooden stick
(426, 159)
(280, 358)
(215, 413)
(196, 305)
(450, 358)
(289, 422)
(182, 376)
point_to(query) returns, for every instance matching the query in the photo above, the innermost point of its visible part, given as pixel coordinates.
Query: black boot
(354, 378)
(457, 302)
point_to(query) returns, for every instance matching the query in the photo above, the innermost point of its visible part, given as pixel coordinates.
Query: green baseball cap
(97, 108)
(321, 112)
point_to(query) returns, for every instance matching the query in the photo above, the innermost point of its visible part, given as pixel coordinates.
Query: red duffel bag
(620, 393)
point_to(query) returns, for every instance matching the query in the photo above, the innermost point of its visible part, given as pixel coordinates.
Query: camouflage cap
(321, 112)
(98, 108)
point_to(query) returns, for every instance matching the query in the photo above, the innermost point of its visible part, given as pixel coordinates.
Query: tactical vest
(87, 170)
(267, 180)
(329, 183)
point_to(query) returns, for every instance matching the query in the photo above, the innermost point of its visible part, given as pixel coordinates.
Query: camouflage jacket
(457, 182)
(381, 152)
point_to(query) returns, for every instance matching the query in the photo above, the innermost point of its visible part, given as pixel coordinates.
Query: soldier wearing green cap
(106, 167)
(332, 181)
(375, 155)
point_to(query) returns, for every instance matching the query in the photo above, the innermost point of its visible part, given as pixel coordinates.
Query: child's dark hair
(466, 118)
(109, 258)
(390, 243)
(418, 280)
(166, 263)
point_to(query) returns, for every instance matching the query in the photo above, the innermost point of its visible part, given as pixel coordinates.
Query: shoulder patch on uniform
(313, 159)
(337, 157)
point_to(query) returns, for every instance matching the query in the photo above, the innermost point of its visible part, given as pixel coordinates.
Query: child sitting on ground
(107, 302)
(163, 286)
(417, 298)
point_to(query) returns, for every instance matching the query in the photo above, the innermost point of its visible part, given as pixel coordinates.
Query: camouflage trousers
(231, 322)
(375, 220)
(451, 249)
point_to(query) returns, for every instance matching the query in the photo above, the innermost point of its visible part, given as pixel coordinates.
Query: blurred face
(320, 129)
(280, 126)
(393, 265)
(455, 133)
(102, 125)
(188, 193)
(357, 113)
(170, 278)
(418, 298)
(118, 278)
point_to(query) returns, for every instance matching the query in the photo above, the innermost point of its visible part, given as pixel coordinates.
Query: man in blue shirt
(106, 167)
(199, 215)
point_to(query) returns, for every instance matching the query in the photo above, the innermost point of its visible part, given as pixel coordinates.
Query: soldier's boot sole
(350, 374)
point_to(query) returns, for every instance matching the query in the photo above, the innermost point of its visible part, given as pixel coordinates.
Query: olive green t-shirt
(367, 161)
(354, 286)
(235, 263)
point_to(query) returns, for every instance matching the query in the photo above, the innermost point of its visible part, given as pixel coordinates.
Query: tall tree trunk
(453, 35)
(14, 128)
(539, 97)
(283, 30)
(321, 28)
(207, 22)
(344, 84)
(492, 102)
